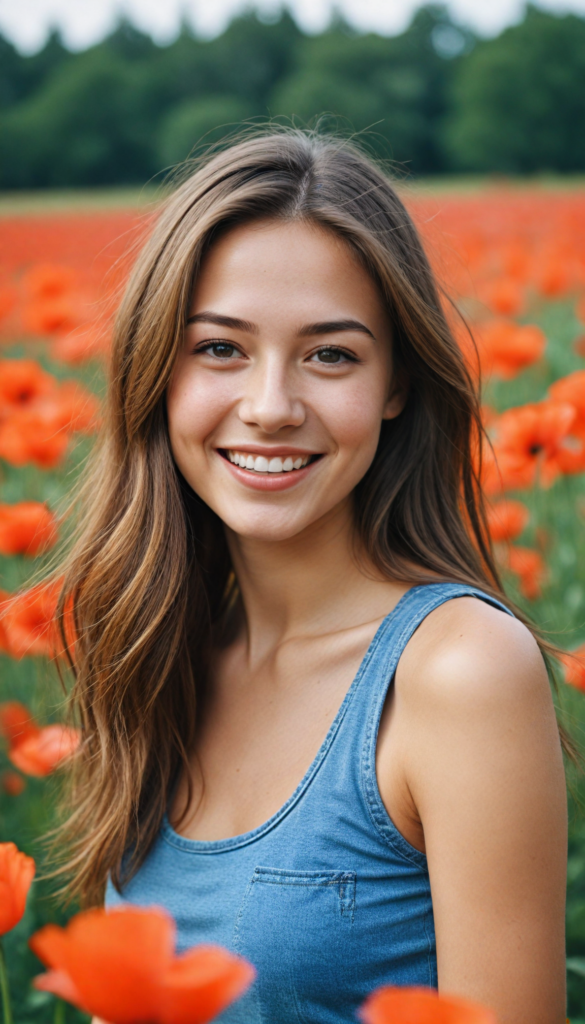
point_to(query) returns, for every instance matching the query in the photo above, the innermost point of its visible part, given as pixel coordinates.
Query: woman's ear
(396, 401)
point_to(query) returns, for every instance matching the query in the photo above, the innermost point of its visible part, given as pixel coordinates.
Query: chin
(269, 528)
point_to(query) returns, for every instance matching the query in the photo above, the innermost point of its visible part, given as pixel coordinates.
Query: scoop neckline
(211, 846)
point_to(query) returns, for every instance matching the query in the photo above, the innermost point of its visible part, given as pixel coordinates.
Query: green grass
(58, 201)
(128, 197)
(557, 514)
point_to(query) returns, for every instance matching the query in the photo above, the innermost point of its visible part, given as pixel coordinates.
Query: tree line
(434, 99)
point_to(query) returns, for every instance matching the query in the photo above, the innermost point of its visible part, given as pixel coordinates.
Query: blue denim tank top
(327, 899)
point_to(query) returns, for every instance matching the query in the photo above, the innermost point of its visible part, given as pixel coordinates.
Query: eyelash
(349, 356)
(207, 345)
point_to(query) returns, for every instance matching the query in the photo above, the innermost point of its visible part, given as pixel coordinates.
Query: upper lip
(270, 451)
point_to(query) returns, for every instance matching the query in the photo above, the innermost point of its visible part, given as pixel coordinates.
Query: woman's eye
(220, 349)
(331, 355)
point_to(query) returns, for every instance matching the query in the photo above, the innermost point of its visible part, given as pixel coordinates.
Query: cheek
(196, 404)
(353, 415)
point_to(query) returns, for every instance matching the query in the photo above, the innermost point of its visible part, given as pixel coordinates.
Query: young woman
(311, 728)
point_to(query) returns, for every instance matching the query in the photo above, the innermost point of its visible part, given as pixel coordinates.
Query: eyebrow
(335, 327)
(324, 327)
(207, 317)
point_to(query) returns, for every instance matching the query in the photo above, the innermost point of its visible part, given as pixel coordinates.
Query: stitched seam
(383, 823)
(238, 921)
(298, 1008)
(431, 957)
(299, 885)
(281, 875)
(377, 812)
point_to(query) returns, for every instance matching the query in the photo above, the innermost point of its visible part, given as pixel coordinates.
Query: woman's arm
(483, 764)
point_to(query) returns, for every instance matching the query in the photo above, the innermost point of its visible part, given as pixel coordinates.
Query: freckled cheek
(353, 416)
(196, 408)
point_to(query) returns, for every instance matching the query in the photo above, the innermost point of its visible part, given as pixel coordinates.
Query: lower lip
(269, 481)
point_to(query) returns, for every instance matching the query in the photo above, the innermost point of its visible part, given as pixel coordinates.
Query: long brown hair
(149, 575)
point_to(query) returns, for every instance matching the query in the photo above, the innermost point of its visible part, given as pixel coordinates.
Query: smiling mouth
(262, 464)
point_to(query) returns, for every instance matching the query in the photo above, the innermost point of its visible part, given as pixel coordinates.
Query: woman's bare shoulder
(469, 653)
(480, 760)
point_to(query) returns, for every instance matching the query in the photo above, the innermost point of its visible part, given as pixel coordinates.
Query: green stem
(59, 1016)
(4, 987)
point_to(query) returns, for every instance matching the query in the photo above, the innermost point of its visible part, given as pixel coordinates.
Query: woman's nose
(271, 401)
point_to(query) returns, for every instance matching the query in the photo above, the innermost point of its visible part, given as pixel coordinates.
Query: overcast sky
(83, 22)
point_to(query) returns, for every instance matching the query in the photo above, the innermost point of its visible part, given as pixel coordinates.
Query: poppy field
(512, 259)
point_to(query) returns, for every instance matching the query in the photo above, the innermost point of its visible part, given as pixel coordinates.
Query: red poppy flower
(7, 299)
(507, 519)
(41, 753)
(553, 275)
(571, 389)
(574, 666)
(16, 874)
(34, 435)
(531, 441)
(528, 565)
(48, 280)
(12, 783)
(51, 316)
(4, 599)
(506, 348)
(503, 296)
(27, 528)
(391, 1005)
(85, 342)
(72, 407)
(33, 749)
(37, 414)
(16, 722)
(22, 382)
(119, 966)
(29, 619)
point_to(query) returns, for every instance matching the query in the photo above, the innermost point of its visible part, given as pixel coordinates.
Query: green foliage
(395, 88)
(21, 76)
(432, 98)
(88, 125)
(518, 100)
(198, 121)
(123, 110)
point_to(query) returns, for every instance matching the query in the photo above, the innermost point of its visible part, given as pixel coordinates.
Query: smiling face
(285, 376)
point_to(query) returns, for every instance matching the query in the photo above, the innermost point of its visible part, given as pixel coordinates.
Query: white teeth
(260, 464)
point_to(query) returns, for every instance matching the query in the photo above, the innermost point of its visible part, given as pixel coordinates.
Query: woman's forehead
(285, 266)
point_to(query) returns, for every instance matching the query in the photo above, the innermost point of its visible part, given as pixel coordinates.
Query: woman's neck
(316, 582)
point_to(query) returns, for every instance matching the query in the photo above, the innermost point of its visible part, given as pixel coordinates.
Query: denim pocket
(294, 926)
(340, 884)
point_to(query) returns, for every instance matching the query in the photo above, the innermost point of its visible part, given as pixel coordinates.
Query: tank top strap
(397, 629)
(387, 647)
(402, 622)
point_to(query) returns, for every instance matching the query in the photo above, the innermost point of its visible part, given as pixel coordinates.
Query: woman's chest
(325, 915)
(259, 733)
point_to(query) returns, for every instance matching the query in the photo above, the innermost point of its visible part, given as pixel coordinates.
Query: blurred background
(92, 96)
(478, 106)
